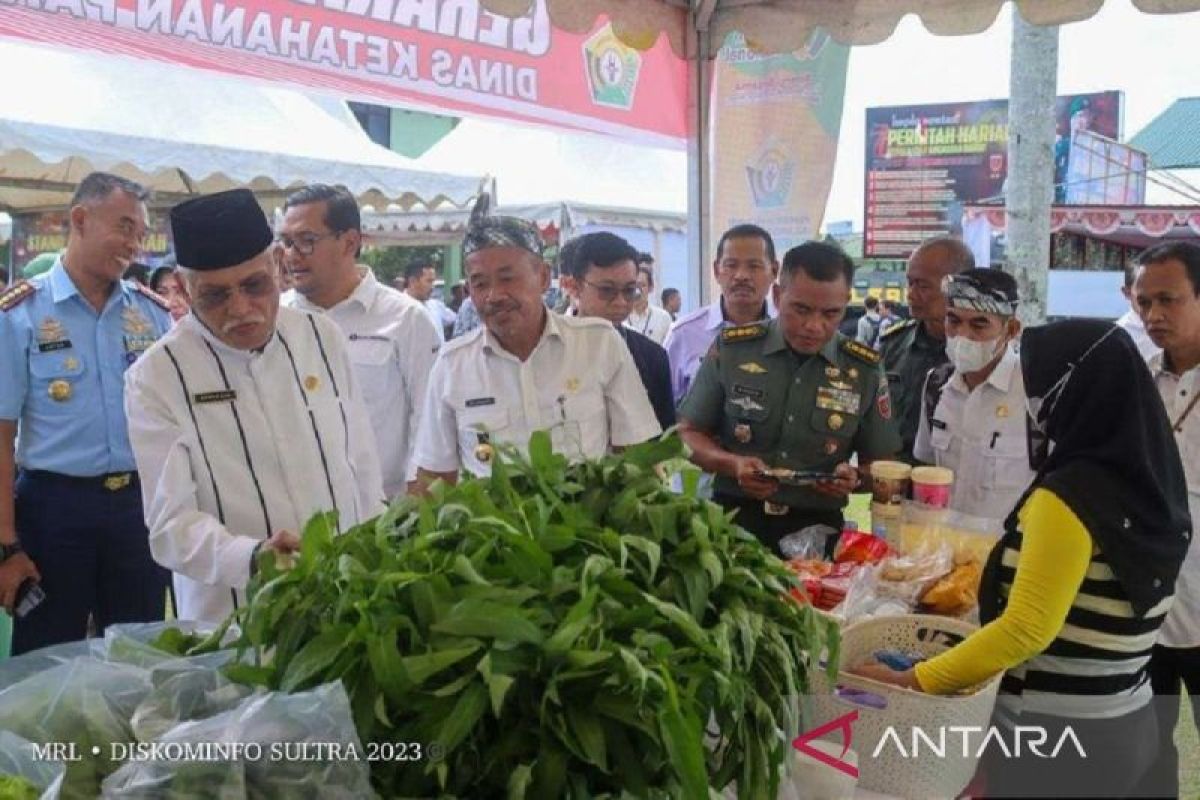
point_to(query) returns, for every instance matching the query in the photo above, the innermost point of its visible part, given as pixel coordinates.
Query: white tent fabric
(783, 25)
(534, 165)
(64, 114)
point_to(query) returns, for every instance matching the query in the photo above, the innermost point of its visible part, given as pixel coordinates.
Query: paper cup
(889, 482)
(932, 486)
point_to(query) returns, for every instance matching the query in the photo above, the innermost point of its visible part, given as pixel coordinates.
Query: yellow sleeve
(1055, 553)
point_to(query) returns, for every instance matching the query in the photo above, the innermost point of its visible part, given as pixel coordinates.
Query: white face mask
(968, 355)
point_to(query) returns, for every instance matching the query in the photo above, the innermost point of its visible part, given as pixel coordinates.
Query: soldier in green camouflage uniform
(912, 348)
(790, 393)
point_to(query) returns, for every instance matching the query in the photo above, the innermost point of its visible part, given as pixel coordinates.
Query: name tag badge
(842, 400)
(937, 423)
(476, 402)
(368, 337)
(747, 391)
(224, 396)
(50, 347)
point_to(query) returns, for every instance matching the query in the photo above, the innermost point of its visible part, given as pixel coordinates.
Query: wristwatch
(7, 551)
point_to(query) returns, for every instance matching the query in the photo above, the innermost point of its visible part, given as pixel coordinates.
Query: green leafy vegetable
(555, 630)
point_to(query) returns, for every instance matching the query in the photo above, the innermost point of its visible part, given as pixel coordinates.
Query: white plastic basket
(894, 772)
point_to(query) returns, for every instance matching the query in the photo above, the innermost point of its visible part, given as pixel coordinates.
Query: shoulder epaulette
(153, 296)
(861, 351)
(744, 333)
(459, 342)
(899, 326)
(16, 294)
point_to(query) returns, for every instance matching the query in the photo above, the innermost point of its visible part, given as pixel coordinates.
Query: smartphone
(797, 477)
(29, 597)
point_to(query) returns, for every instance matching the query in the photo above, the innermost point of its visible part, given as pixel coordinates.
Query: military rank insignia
(861, 351)
(14, 295)
(744, 333)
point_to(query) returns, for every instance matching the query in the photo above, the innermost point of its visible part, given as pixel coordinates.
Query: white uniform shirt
(233, 446)
(654, 324)
(392, 345)
(580, 383)
(689, 340)
(1182, 626)
(981, 435)
(1136, 329)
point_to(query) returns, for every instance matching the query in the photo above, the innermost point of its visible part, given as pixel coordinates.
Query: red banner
(446, 55)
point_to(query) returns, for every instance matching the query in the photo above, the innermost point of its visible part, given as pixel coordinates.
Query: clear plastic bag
(906, 577)
(17, 760)
(18, 668)
(807, 542)
(84, 701)
(186, 689)
(131, 643)
(270, 745)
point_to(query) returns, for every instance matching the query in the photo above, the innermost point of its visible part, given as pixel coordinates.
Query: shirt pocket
(755, 415)
(579, 427)
(373, 369)
(1006, 462)
(940, 440)
(56, 378)
(837, 424)
(480, 433)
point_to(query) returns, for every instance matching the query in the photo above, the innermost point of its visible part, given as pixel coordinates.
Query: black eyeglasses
(632, 293)
(305, 243)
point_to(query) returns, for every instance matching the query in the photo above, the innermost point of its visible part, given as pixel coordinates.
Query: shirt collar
(192, 323)
(716, 314)
(363, 295)
(552, 329)
(1002, 376)
(62, 286)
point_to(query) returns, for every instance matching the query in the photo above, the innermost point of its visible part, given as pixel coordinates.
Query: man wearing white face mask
(973, 409)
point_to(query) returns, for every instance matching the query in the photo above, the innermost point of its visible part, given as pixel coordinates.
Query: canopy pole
(699, 167)
(1033, 86)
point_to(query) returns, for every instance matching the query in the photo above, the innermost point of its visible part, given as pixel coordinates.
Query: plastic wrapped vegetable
(84, 701)
(271, 745)
(20, 667)
(23, 777)
(186, 689)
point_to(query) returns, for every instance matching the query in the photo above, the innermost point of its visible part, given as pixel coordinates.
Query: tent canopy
(64, 114)
(534, 165)
(448, 225)
(783, 25)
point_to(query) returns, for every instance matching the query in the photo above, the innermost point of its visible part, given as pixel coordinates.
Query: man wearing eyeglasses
(526, 368)
(247, 418)
(392, 340)
(745, 268)
(70, 512)
(600, 277)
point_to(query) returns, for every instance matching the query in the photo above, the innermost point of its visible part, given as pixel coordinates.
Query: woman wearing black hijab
(1074, 593)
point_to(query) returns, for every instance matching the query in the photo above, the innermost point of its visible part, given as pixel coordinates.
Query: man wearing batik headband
(972, 416)
(526, 368)
(246, 419)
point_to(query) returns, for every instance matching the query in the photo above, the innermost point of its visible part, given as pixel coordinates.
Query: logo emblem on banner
(612, 68)
(771, 177)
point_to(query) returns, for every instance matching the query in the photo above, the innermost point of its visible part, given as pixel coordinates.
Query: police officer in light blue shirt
(70, 504)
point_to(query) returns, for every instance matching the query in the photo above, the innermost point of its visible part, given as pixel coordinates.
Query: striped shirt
(234, 446)
(1096, 665)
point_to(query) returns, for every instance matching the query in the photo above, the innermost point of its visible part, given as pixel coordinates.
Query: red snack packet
(860, 548)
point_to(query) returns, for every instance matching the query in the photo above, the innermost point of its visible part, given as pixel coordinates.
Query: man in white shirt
(526, 368)
(246, 418)
(392, 341)
(1131, 321)
(419, 280)
(973, 409)
(1166, 292)
(745, 268)
(647, 319)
